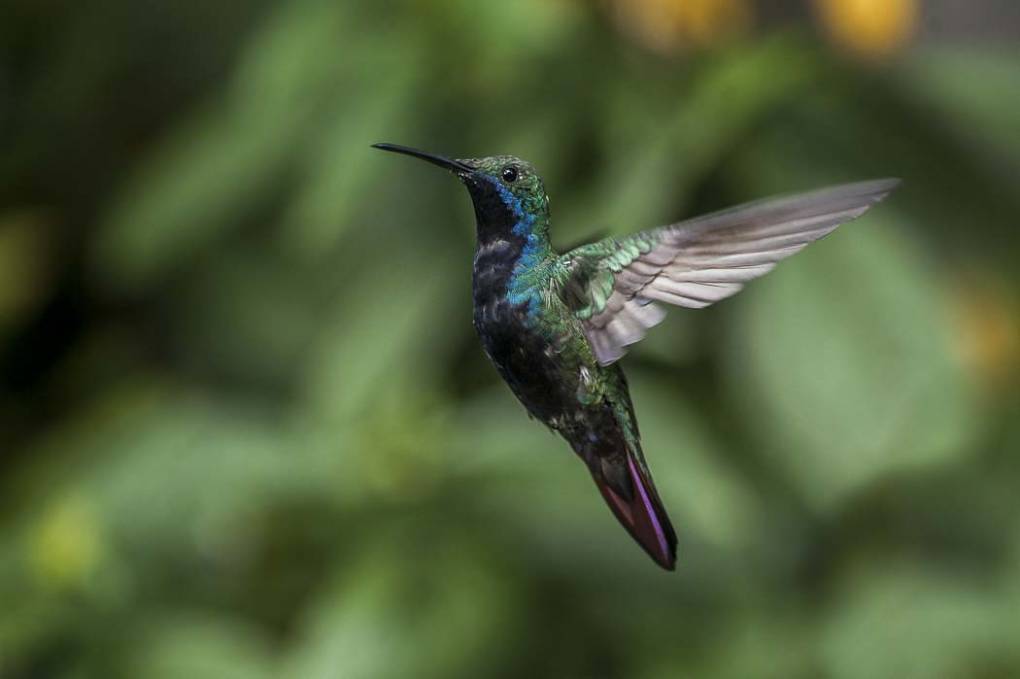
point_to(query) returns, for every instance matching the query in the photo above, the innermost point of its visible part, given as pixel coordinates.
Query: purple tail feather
(641, 512)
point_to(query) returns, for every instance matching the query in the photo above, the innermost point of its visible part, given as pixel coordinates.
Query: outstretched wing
(614, 283)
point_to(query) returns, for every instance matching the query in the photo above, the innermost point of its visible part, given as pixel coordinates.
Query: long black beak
(448, 163)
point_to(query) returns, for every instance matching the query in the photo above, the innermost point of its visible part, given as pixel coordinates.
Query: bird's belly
(527, 359)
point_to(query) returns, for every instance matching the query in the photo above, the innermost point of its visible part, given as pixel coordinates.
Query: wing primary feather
(700, 261)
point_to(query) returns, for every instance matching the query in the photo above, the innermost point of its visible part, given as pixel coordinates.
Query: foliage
(247, 430)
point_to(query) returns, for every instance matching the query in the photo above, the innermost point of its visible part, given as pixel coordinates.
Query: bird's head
(508, 194)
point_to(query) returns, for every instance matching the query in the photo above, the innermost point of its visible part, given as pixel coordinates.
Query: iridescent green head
(508, 194)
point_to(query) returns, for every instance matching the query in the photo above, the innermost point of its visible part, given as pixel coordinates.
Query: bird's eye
(509, 174)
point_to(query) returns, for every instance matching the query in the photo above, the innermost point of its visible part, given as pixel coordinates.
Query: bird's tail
(627, 488)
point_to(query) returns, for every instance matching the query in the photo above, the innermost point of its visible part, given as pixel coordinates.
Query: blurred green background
(245, 426)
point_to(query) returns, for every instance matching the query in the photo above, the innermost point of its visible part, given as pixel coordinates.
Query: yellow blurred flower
(666, 25)
(65, 545)
(987, 324)
(870, 28)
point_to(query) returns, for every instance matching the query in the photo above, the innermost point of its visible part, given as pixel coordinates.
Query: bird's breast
(529, 362)
(516, 333)
(493, 268)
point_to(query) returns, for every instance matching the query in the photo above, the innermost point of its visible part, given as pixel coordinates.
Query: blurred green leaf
(164, 473)
(385, 332)
(842, 360)
(195, 190)
(202, 647)
(977, 89)
(248, 316)
(226, 162)
(443, 617)
(902, 621)
(656, 161)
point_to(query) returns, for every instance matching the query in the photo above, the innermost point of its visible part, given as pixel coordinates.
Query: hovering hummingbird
(555, 325)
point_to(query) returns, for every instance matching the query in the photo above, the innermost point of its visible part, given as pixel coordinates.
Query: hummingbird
(556, 324)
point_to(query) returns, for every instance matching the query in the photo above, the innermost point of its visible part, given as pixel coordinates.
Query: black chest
(524, 356)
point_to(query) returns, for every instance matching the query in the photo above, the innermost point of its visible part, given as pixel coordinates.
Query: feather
(698, 262)
(632, 497)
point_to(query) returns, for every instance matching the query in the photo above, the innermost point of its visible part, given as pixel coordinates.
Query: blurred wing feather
(616, 282)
